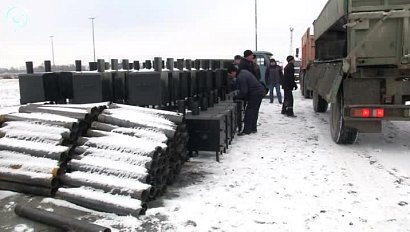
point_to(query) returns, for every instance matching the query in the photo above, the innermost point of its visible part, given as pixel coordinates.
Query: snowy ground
(290, 176)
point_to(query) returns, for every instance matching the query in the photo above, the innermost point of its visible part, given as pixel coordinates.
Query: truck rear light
(367, 113)
(380, 113)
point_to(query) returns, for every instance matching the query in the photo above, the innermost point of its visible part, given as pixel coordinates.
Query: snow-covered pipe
(37, 130)
(55, 152)
(25, 188)
(102, 201)
(63, 222)
(143, 161)
(171, 116)
(138, 173)
(115, 146)
(79, 114)
(65, 122)
(141, 194)
(41, 137)
(30, 178)
(105, 118)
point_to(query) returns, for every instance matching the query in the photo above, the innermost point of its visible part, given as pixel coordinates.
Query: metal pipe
(114, 64)
(136, 65)
(188, 64)
(63, 222)
(100, 204)
(50, 151)
(170, 64)
(125, 65)
(148, 64)
(78, 67)
(180, 64)
(30, 178)
(112, 146)
(134, 159)
(47, 66)
(31, 118)
(105, 118)
(158, 64)
(93, 66)
(25, 188)
(171, 116)
(140, 194)
(100, 65)
(136, 174)
(29, 67)
(79, 114)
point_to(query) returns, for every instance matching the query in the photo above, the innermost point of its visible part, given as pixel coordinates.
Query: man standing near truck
(288, 86)
(273, 79)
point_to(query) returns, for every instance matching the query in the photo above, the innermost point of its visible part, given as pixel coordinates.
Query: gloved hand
(296, 87)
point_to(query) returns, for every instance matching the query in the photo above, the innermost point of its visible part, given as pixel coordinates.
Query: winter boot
(284, 110)
(290, 113)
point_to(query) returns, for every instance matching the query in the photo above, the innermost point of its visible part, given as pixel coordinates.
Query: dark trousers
(287, 107)
(252, 113)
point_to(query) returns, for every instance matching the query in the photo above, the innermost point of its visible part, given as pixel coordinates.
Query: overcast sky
(139, 30)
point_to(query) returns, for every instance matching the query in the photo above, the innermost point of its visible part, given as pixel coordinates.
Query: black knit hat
(237, 57)
(247, 53)
(289, 58)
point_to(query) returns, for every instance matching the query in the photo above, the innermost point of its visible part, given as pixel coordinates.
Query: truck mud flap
(325, 78)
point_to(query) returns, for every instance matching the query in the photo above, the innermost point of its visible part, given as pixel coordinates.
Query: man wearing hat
(250, 60)
(288, 86)
(252, 92)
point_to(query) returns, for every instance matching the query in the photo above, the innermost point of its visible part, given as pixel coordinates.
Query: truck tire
(319, 104)
(340, 133)
(305, 91)
(302, 83)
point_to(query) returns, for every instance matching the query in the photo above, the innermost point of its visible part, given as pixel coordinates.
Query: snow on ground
(289, 176)
(8, 92)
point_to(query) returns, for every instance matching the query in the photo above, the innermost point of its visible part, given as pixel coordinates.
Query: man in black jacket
(252, 91)
(288, 86)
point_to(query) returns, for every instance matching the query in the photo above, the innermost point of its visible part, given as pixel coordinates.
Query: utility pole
(92, 24)
(52, 48)
(291, 41)
(256, 25)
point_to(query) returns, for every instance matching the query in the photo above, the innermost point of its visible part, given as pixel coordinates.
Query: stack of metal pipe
(32, 150)
(111, 158)
(35, 145)
(129, 154)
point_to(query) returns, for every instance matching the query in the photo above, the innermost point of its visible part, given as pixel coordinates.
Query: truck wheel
(340, 133)
(306, 92)
(302, 83)
(319, 104)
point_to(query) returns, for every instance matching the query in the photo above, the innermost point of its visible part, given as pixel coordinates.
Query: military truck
(361, 66)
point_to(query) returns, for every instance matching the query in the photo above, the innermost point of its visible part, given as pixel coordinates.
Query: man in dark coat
(252, 91)
(288, 86)
(250, 58)
(273, 79)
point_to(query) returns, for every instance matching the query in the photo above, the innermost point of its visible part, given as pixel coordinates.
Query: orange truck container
(308, 55)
